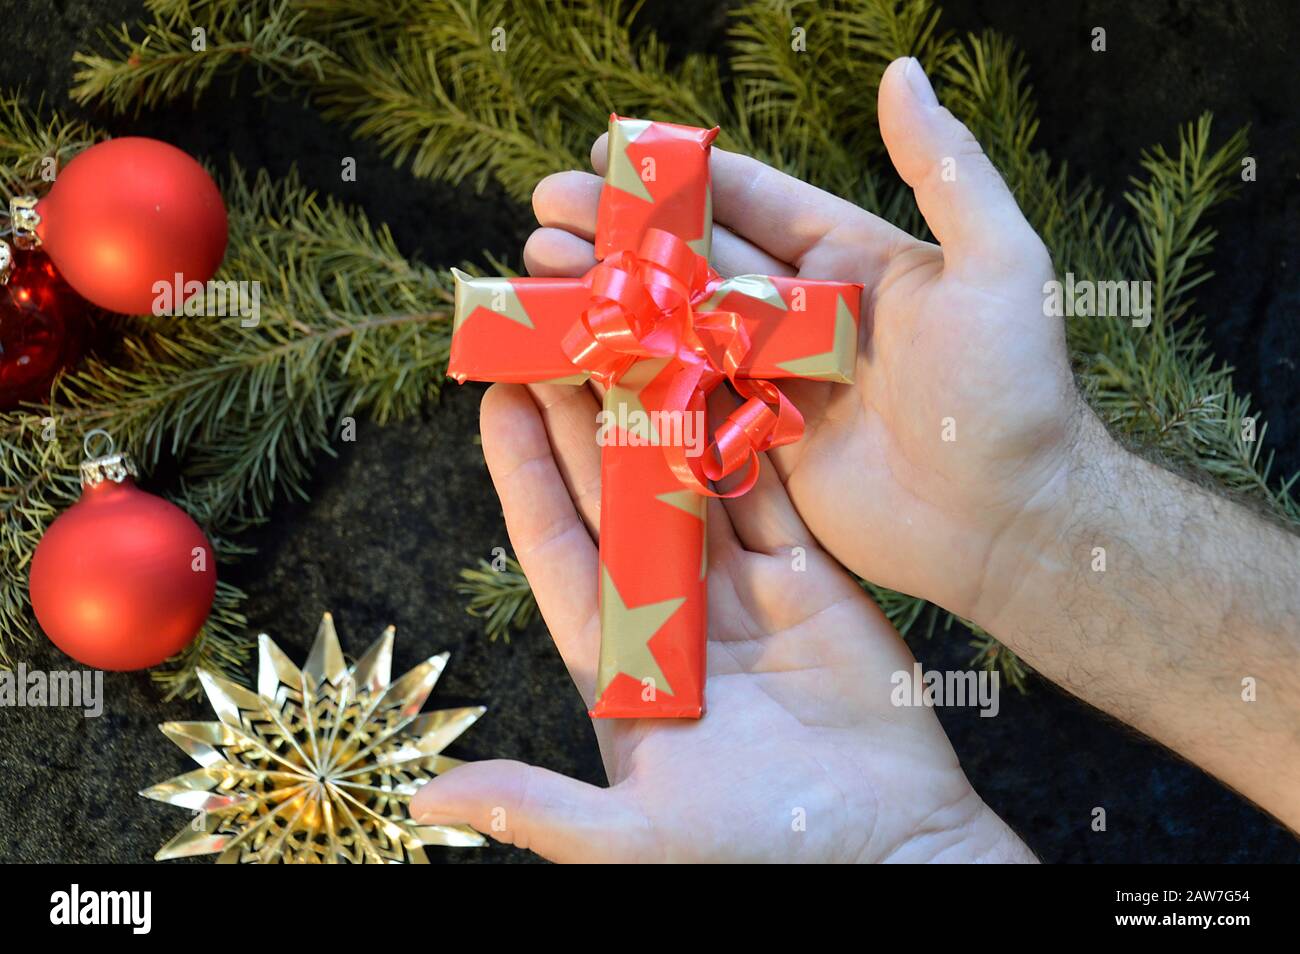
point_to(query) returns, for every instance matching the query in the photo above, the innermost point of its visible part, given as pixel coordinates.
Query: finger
(569, 200)
(781, 214)
(732, 255)
(764, 519)
(549, 538)
(963, 198)
(560, 818)
(555, 253)
(719, 534)
(569, 414)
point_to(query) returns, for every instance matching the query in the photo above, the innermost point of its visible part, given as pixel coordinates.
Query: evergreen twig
(502, 597)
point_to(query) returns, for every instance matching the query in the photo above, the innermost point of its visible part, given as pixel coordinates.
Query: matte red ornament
(122, 579)
(43, 329)
(128, 213)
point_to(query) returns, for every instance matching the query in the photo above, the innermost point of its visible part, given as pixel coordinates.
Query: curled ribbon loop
(644, 305)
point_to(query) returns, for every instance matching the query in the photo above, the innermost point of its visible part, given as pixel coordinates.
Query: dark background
(406, 506)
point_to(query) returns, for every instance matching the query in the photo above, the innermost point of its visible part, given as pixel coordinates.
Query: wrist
(968, 832)
(994, 843)
(1034, 555)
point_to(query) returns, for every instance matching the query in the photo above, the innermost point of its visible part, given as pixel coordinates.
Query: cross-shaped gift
(659, 330)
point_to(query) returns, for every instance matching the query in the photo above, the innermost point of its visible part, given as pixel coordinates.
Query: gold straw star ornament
(319, 764)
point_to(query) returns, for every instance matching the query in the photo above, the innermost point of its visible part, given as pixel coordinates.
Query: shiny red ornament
(43, 329)
(122, 579)
(129, 213)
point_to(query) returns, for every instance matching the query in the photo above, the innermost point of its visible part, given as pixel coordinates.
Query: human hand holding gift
(963, 465)
(802, 756)
(660, 330)
(953, 335)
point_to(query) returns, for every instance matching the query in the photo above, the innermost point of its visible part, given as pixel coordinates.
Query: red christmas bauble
(43, 328)
(128, 213)
(122, 579)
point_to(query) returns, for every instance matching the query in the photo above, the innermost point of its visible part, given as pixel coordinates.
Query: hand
(951, 337)
(1001, 523)
(801, 757)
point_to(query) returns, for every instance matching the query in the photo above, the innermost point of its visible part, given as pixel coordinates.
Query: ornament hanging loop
(90, 436)
(97, 468)
(23, 219)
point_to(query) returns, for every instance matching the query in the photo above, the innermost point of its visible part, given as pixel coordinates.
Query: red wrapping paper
(660, 330)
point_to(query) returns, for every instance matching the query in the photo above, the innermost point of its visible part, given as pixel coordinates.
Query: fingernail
(423, 814)
(434, 818)
(914, 72)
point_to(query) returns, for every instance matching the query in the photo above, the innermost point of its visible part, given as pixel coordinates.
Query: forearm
(1166, 606)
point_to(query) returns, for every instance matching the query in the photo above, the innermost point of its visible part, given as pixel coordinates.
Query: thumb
(963, 198)
(560, 818)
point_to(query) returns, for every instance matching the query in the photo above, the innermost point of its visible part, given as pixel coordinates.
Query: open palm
(802, 756)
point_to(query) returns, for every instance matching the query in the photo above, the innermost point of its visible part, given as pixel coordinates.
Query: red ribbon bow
(643, 305)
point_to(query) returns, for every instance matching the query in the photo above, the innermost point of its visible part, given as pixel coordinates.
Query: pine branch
(905, 612)
(1171, 204)
(347, 324)
(28, 138)
(806, 78)
(992, 656)
(502, 597)
(455, 90)
(168, 61)
(38, 478)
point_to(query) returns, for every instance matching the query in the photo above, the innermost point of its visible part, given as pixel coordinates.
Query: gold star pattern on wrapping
(759, 287)
(694, 504)
(627, 393)
(319, 764)
(497, 295)
(703, 246)
(686, 500)
(625, 637)
(837, 363)
(622, 173)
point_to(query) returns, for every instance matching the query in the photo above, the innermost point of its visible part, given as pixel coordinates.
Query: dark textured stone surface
(392, 520)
